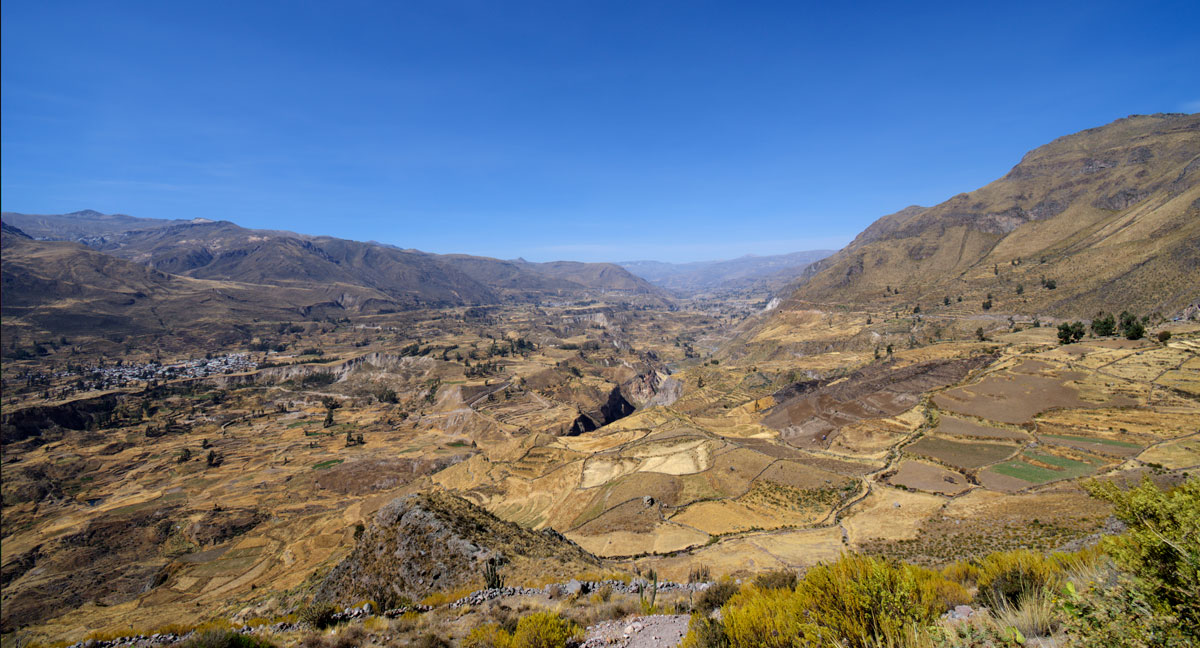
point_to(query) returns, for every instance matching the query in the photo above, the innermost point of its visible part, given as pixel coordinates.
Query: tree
(1104, 324)
(1068, 333)
(1135, 331)
(1163, 336)
(979, 334)
(330, 404)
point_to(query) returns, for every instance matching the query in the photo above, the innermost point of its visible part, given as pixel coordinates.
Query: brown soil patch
(961, 454)
(949, 425)
(1017, 394)
(916, 475)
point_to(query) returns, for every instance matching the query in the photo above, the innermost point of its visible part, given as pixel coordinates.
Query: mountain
(68, 289)
(81, 224)
(747, 272)
(180, 275)
(1108, 218)
(224, 251)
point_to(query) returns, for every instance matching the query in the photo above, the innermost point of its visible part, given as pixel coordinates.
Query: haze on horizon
(665, 131)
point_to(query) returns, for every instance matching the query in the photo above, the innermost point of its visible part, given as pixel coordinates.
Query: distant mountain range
(1107, 218)
(744, 273)
(143, 274)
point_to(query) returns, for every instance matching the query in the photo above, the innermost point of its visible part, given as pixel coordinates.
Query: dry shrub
(1035, 614)
(866, 600)
(776, 579)
(715, 596)
(224, 639)
(488, 635)
(318, 615)
(858, 602)
(1006, 576)
(771, 619)
(537, 630)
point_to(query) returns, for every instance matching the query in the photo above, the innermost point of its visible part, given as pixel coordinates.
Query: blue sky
(563, 129)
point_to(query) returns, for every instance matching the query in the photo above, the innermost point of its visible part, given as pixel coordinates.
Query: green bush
(1161, 548)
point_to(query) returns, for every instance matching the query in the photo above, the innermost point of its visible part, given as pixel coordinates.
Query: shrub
(856, 602)
(704, 632)
(776, 579)
(224, 639)
(318, 615)
(867, 600)
(1006, 576)
(1161, 548)
(963, 572)
(1163, 336)
(545, 630)
(488, 635)
(715, 596)
(771, 619)
(1034, 614)
(1119, 616)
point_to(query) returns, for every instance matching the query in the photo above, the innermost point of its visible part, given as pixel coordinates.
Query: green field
(322, 465)
(1109, 442)
(1064, 468)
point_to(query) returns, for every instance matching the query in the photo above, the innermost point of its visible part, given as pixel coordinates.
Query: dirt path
(656, 631)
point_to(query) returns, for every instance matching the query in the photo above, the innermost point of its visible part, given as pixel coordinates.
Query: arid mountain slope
(1110, 216)
(223, 250)
(68, 289)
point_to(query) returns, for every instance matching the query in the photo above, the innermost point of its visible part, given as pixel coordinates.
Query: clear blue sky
(563, 129)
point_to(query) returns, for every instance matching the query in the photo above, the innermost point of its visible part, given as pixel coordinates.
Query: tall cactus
(491, 573)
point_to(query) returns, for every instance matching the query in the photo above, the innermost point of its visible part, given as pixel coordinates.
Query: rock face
(419, 544)
(652, 388)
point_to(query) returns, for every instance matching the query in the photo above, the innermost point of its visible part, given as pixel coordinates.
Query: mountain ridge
(1110, 214)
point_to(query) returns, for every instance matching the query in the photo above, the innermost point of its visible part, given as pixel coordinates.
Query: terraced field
(752, 463)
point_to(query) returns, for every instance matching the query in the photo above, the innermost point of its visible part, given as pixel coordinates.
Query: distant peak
(86, 213)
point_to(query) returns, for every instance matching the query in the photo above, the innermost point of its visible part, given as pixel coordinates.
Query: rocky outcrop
(419, 544)
(652, 388)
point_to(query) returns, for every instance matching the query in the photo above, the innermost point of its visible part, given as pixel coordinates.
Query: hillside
(225, 251)
(1107, 218)
(748, 272)
(79, 225)
(420, 543)
(176, 274)
(65, 289)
